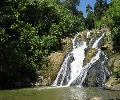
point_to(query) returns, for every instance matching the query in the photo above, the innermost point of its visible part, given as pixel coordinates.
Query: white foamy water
(95, 45)
(87, 67)
(88, 33)
(63, 71)
(76, 65)
(72, 71)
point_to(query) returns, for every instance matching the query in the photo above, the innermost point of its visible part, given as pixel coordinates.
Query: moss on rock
(89, 55)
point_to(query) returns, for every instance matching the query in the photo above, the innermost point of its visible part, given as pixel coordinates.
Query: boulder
(113, 84)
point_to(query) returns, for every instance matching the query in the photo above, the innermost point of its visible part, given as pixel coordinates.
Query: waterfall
(74, 72)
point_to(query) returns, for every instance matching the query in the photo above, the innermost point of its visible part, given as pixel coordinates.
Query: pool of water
(57, 93)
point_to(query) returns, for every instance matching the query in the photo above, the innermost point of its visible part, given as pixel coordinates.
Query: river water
(57, 93)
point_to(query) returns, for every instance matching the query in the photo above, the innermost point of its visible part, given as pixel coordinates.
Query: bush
(116, 72)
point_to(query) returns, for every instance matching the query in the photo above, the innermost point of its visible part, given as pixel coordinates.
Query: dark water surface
(57, 93)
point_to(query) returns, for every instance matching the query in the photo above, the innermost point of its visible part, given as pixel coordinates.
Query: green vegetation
(105, 15)
(116, 72)
(114, 14)
(29, 31)
(89, 22)
(93, 19)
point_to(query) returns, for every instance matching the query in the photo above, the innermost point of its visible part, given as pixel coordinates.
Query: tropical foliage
(116, 72)
(105, 15)
(114, 15)
(89, 21)
(31, 30)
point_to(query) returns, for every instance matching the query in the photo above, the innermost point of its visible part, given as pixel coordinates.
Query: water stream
(57, 93)
(73, 72)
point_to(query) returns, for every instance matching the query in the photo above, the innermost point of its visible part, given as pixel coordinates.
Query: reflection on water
(78, 93)
(57, 93)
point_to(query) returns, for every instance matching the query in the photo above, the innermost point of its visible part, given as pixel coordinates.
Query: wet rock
(82, 36)
(113, 84)
(90, 79)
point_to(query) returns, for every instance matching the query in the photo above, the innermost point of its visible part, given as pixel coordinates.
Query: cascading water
(74, 72)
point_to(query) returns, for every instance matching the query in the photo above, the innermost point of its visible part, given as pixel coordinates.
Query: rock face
(90, 79)
(114, 60)
(82, 36)
(91, 75)
(54, 61)
(114, 65)
(49, 73)
(90, 54)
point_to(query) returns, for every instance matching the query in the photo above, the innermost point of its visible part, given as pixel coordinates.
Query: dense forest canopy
(31, 29)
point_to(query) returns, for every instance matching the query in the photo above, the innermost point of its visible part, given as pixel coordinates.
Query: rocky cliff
(113, 63)
(48, 73)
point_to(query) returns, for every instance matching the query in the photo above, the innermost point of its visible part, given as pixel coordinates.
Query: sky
(84, 3)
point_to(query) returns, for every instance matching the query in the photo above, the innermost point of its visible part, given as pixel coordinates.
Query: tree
(89, 21)
(114, 15)
(99, 9)
(30, 30)
(88, 8)
(72, 5)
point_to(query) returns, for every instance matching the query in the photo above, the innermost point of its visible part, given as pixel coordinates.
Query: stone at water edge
(95, 98)
(113, 84)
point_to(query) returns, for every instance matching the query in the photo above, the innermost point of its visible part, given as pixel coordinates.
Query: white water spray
(73, 72)
(76, 65)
